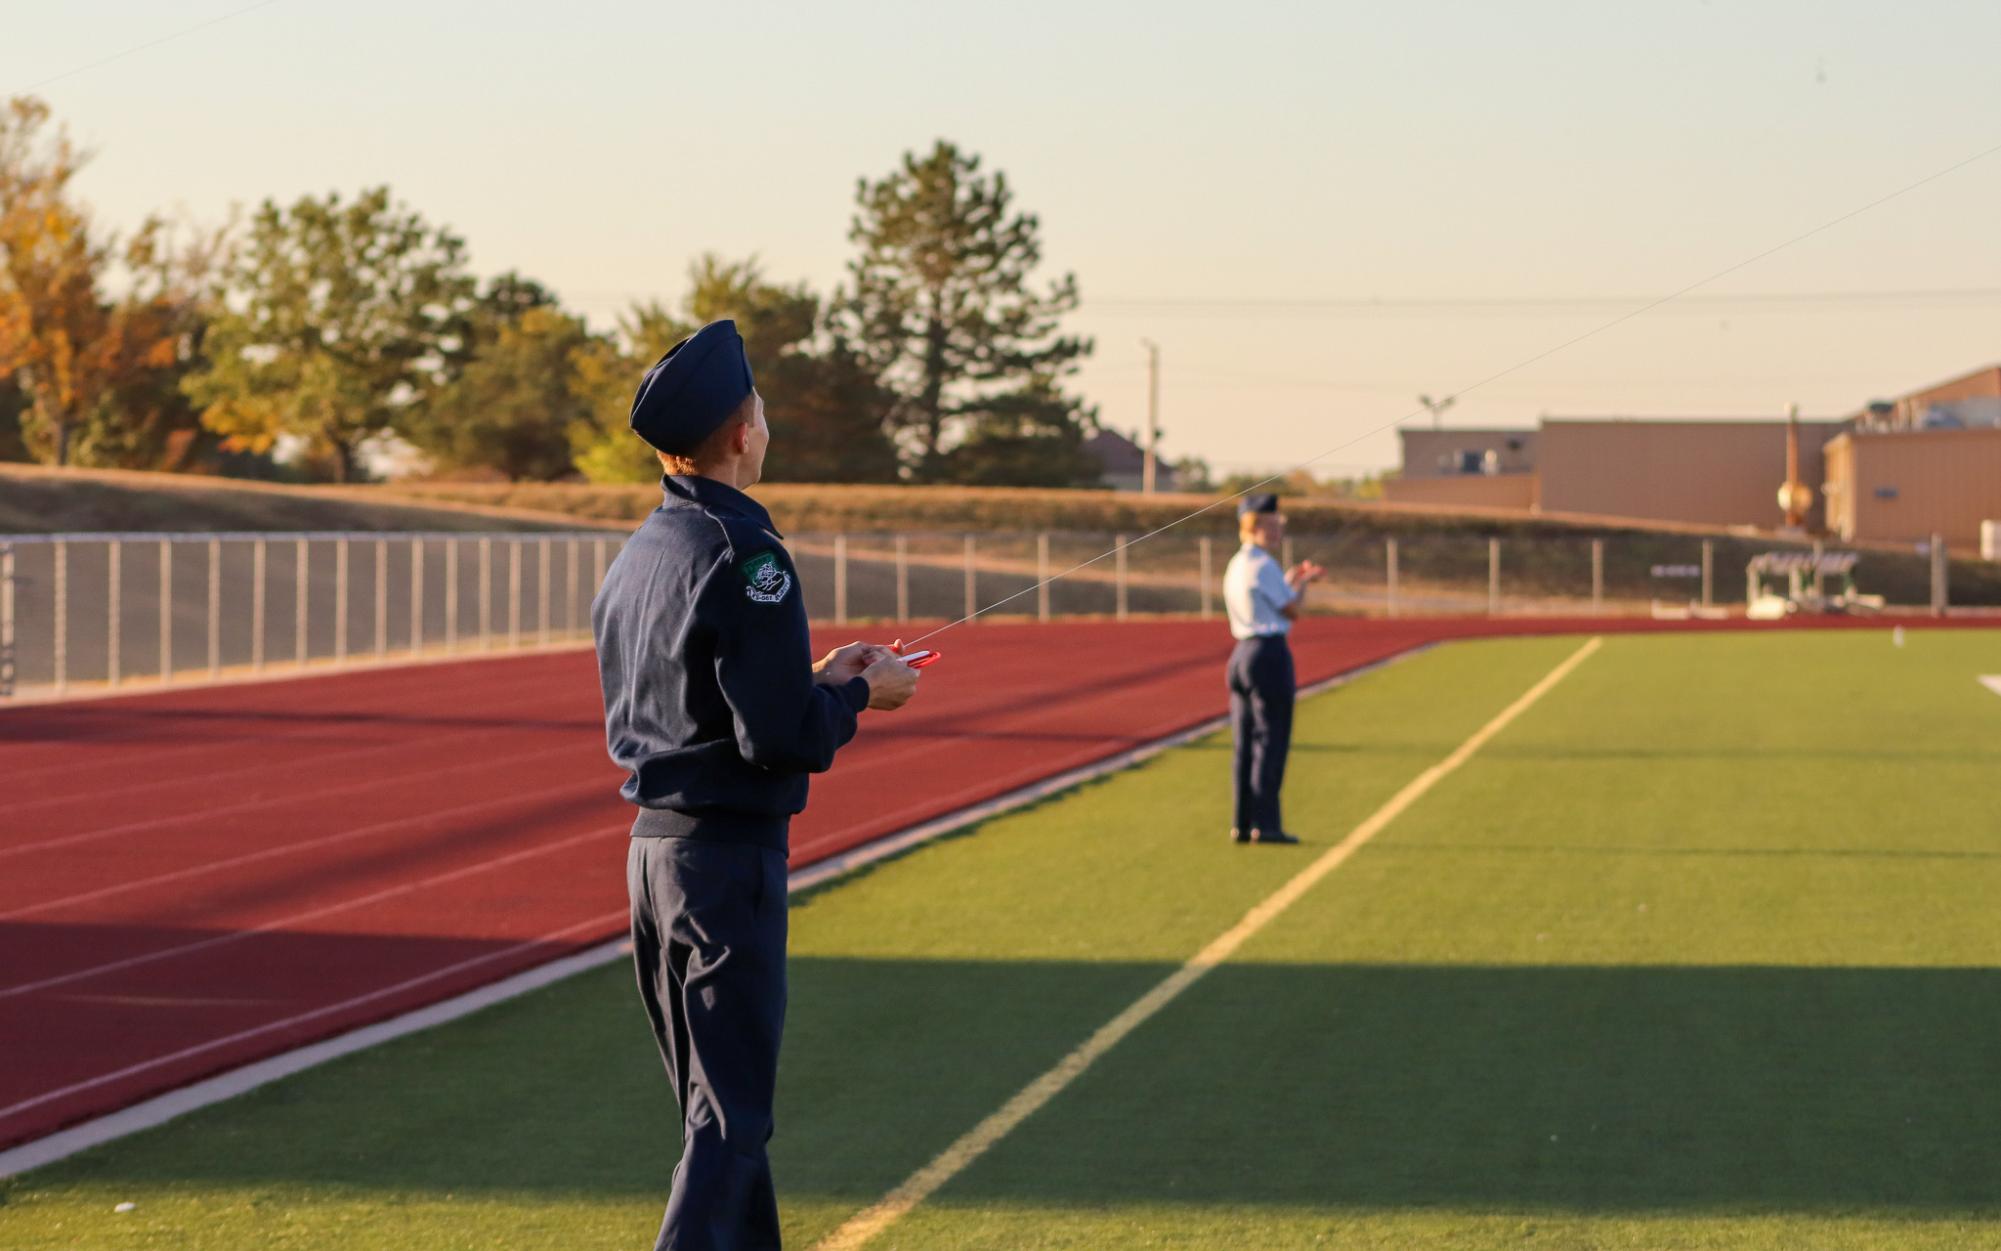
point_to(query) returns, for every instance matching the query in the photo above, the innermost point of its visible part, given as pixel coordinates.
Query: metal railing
(118, 608)
(113, 610)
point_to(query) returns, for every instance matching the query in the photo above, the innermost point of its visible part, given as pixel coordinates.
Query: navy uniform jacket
(709, 699)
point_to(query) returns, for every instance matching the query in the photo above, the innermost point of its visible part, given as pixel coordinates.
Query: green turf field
(1702, 951)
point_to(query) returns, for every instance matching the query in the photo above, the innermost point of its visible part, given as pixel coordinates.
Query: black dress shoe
(1279, 837)
(1238, 836)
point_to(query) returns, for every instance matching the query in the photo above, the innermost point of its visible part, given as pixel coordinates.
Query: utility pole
(1152, 414)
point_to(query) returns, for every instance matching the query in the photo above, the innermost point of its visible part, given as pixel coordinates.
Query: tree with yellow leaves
(96, 374)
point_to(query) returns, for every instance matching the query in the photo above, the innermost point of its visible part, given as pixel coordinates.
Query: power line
(1497, 375)
(1897, 298)
(142, 47)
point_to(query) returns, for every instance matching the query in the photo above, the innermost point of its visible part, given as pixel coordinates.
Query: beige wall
(1905, 486)
(1508, 490)
(1705, 472)
(1423, 450)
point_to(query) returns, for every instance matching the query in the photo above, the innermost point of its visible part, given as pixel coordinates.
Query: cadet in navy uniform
(715, 709)
(1262, 602)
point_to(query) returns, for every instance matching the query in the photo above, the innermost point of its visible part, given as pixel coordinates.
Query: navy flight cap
(1263, 502)
(692, 390)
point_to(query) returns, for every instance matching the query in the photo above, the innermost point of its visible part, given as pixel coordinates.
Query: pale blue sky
(1249, 151)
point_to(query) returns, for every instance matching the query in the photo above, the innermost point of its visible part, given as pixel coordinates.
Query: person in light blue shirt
(1262, 601)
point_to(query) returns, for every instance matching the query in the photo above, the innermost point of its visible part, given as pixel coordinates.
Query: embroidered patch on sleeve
(769, 580)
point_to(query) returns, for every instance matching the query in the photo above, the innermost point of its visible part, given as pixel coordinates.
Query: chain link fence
(107, 610)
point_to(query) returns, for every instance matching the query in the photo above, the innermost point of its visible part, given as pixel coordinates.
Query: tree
(509, 401)
(341, 320)
(940, 305)
(95, 373)
(511, 408)
(1032, 436)
(605, 374)
(821, 399)
(12, 405)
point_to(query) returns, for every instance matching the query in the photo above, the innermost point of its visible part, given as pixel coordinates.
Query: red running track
(193, 880)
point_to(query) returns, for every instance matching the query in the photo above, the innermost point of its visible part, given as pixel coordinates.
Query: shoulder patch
(767, 577)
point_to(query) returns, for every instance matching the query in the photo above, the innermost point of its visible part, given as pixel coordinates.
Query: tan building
(1906, 485)
(1467, 453)
(1966, 402)
(1456, 468)
(1705, 472)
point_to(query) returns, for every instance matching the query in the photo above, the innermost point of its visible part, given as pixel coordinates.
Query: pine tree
(940, 305)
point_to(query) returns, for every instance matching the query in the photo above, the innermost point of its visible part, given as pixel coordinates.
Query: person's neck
(725, 474)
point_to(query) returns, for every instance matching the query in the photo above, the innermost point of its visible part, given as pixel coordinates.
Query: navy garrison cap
(690, 391)
(1263, 502)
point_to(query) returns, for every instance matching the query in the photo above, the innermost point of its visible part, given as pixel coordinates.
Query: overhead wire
(1517, 367)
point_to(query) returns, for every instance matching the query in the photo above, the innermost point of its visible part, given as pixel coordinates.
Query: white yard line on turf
(860, 1228)
(164, 1108)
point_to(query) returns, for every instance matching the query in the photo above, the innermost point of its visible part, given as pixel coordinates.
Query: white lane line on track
(862, 1227)
(163, 1108)
(70, 763)
(580, 789)
(318, 761)
(300, 918)
(300, 1018)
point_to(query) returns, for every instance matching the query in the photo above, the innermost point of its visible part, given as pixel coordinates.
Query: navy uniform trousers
(708, 942)
(1261, 694)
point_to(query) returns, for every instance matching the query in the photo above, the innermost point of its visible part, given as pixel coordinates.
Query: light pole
(1436, 407)
(1152, 414)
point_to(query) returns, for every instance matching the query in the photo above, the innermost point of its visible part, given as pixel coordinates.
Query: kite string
(1621, 319)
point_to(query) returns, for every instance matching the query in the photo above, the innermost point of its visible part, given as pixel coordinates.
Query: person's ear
(740, 438)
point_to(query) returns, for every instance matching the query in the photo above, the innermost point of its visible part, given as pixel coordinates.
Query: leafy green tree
(511, 408)
(605, 374)
(940, 304)
(821, 399)
(341, 320)
(1032, 436)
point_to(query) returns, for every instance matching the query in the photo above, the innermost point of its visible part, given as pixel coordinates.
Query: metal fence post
(259, 557)
(485, 593)
(597, 566)
(1208, 548)
(113, 571)
(214, 608)
(451, 594)
(514, 594)
(1708, 572)
(166, 611)
(1493, 577)
(381, 596)
(6, 620)
(1597, 576)
(1119, 575)
(902, 580)
(416, 594)
(840, 579)
(1390, 558)
(542, 588)
(1285, 552)
(972, 579)
(302, 579)
(62, 616)
(570, 572)
(1042, 576)
(1941, 572)
(340, 600)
